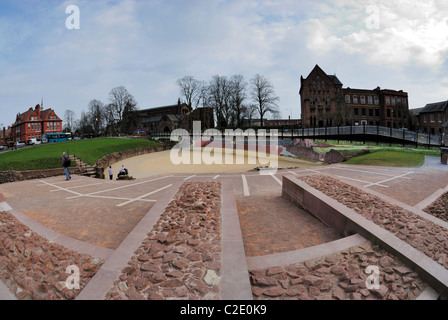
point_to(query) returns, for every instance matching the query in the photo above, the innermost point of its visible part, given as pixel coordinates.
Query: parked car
(2, 147)
(19, 144)
(34, 141)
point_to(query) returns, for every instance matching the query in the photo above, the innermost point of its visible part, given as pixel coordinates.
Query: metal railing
(356, 133)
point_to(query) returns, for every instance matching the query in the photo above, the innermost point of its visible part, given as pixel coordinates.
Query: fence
(352, 133)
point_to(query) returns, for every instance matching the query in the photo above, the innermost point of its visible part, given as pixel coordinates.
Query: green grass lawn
(49, 156)
(389, 159)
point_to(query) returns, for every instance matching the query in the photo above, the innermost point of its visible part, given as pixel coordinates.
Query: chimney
(37, 109)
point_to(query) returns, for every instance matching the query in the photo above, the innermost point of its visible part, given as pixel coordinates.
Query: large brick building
(32, 124)
(324, 102)
(433, 118)
(169, 118)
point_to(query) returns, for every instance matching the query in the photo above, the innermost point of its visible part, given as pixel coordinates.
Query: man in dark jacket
(65, 164)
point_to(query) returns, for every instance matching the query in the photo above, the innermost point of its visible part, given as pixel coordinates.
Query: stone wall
(115, 157)
(104, 162)
(12, 176)
(304, 153)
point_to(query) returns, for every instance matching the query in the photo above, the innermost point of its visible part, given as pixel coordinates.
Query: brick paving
(340, 276)
(34, 268)
(266, 211)
(182, 256)
(426, 236)
(271, 224)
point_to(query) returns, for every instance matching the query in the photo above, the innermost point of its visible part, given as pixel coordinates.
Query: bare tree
(238, 95)
(109, 119)
(119, 98)
(96, 115)
(219, 98)
(248, 111)
(129, 121)
(84, 124)
(190, 89)
(69, 119)
(263, 94)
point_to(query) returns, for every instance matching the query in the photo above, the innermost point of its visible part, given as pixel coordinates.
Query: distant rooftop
(435, 107)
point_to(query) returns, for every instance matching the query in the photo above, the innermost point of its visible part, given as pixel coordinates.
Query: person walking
(110, 173)
(66, 164)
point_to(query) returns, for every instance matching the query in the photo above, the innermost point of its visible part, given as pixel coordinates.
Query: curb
(103, 280)
(235, 275)
(305, 254)
(346, 221)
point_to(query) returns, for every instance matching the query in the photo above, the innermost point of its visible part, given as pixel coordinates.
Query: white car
(34, 141)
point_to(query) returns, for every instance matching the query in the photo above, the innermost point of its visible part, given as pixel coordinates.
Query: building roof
(174, 106)
(42, 115)
(154, 119)
(335, 79)
(173, 117)
(360, 91)
(435, 107)
(415, 111)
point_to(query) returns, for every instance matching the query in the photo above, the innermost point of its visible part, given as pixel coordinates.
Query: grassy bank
(382, 154)
(48, 156)
(389, 159)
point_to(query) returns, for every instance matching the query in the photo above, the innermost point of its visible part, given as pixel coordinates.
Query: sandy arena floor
(159, 163)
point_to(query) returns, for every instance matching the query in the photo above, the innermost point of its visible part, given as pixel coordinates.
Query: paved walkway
(97, 216)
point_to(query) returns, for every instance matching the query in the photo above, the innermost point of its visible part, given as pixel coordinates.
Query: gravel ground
(424, 235)
(181, 258)
(34, 268)
(439, 208)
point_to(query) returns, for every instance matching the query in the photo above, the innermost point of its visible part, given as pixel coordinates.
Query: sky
(146, 45)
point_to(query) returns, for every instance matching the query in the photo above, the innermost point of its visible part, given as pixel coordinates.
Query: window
(387, 100)
(388, 113)
(347, 99)
(440, 117)
(393, 100)
(363, 100)
(355, 99)
(432, 117)
(356, 111)
(377, 101)
(371, 112)
(424, 118)
(29, 126)
(377, 112)
(370, 100)
(363, 110)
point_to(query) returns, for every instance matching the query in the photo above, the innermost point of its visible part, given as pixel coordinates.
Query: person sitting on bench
(123, 171)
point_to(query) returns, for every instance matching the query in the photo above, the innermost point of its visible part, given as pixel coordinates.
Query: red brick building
(433, 118)
(325, 103)
(32, 124)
